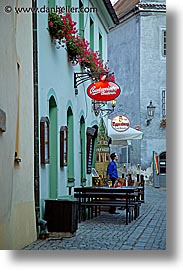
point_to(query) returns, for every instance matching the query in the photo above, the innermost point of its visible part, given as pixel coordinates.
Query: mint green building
(66, 123)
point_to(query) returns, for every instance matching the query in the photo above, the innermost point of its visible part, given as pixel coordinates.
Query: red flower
(62, 29)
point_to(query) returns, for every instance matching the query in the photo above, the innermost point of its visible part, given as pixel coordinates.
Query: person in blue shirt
(112, 174)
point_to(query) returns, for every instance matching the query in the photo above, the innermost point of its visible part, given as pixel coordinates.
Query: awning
(118, 138)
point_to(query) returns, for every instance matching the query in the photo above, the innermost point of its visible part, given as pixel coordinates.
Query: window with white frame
(163, 103)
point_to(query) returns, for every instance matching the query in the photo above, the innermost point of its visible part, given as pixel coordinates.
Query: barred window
(164, 43)
(163, 103)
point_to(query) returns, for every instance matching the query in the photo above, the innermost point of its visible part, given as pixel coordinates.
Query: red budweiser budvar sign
(103, 90)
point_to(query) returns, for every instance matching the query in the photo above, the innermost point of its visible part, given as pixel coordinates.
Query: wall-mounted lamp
(98, 107)
(150, 113)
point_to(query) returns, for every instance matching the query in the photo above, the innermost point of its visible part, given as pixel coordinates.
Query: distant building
(137, 54)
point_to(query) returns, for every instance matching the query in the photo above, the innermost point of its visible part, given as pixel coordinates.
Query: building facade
(17, 209)
(137, 54)
(66, 121)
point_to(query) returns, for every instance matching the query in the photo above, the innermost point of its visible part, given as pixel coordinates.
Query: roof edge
(111, 11)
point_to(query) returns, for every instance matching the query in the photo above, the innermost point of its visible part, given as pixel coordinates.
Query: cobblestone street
(109, 232)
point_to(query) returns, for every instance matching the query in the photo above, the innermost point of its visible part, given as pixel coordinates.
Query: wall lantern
(150, 112)
(99, 107)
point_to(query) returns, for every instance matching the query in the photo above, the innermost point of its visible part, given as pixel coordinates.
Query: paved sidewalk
(109, 232)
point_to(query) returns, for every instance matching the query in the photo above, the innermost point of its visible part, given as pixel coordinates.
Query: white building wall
(17, 211)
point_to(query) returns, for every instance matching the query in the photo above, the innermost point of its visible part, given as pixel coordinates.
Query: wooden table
(92, 198)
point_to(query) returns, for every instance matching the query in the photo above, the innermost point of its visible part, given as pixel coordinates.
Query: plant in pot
(60, 26)
(63, 30)
(163, 122)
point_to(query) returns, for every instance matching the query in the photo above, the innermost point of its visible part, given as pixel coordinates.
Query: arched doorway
(70, 160)
(53, 167)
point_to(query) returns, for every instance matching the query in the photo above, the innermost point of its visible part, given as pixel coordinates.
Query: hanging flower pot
(63, 32)
(60, 26)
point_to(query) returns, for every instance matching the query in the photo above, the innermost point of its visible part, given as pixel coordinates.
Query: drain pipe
(36, 120)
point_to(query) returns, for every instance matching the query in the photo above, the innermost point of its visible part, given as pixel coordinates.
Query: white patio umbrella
(123, 138)
(117, 137)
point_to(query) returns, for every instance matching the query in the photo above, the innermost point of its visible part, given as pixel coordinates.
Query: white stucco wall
(17, 213)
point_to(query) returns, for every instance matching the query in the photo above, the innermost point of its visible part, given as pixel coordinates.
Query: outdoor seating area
(91, 201)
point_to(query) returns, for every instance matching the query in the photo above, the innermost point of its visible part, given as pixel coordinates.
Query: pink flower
(51, 24)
